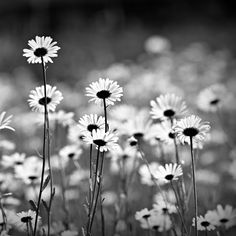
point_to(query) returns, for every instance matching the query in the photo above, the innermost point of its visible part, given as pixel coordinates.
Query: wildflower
(123, 113)
(105, 141)
(204, 223)
(88, 123)
(169, 173)
(191, 127)
(211, 98)
(41, 47)
(167, 106)
(4, 123)
(104, 89)
(165, 196)
(13, 160)
(165, 207)
(37, 100)
(159, 222)
(63, 118)
(143, 214)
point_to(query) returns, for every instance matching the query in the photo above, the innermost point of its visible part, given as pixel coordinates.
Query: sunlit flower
(37, 101)
(204, 223)
(104, 141)
(104, 89)
(191, 127)
(169, 173)
(167, 106)
(41, 47)
(211, 98)
(225, 217)
(13, 160)
(91, 122)
(4, 123)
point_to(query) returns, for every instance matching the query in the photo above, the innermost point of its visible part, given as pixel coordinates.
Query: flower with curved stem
(191, 127)
(4, 122)
(169, 173)
(168, 106)
(37, 98)
(104, 89)
(105, 141)
(41, 47)
(91, 122)
(204, 223)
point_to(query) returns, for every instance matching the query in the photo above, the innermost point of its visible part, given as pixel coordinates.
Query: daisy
(223, 216)
(4, 123)
(91, 122)
(165, 196)
(37, 101)
(159, 222)
(142, 214)
(211, 98)
(104, 89)
(165, 207)
(169, 173)
(105, 141)
(191, 127)
(203, 223)
(63, 118)
(13, 160)
(167, 106)
(41, 47)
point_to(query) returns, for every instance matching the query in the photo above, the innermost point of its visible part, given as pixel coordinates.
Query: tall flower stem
(194, 186)
(206, 233)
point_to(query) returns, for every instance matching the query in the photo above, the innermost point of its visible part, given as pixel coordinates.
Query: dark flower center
(171, 135)
(26, 219)
(81, 137)
(71, 155)
(133, 143)
(155, 227)
(42, 100)
(146, 216)
(18, 163)
(138, 135)
(165, 210)
(92, 127)
(215, 102)
(191, 131)
(103, 94)
(169, 177)
(169, 113)
(99, 142)
(125, 156)
(205, 223)
(40, 52)
(224, 220)
(32, 177)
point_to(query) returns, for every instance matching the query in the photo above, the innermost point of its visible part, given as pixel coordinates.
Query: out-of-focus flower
(165, 207)
(77, 176)
(63, 118)
(169, 173)
(159, 222)
(69, 233)
(37, 100)
(142, 214)
(168, 106)
(105, 141)
(110, 198)
(166, 196)
(191, 127)
(13, 160)
(104, 89)
(204, 223)
(207, 177)
(41, 47)
(123, 113)
(213, 97)
(91, 122)
(4, 122)
(157, 44)
(7, 145)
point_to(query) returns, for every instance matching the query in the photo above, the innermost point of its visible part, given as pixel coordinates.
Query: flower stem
(194, 186)
(206, 233)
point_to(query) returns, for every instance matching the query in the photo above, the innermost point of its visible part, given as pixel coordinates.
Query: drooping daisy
(41, 47)
(37, 101)
(4, 123)
(167, 106)
(105, 141)
(211, 98)
(169, 173)
(203, 223)
(91, 122)
(191, 127)
(104, 89)
(223, 216)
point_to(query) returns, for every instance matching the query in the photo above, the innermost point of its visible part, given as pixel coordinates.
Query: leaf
(45, 205)
(5, 195)
(32, 203)
(46, 182)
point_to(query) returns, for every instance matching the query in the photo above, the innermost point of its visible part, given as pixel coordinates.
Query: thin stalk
(206, 232)
(194, 187)
(44, 150)
(27, 228)
(4, 217)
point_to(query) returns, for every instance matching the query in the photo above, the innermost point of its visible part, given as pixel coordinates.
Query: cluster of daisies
(128, 136)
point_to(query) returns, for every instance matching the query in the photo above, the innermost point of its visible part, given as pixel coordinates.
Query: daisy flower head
(104, 89)
(193, 128)
(142, 214)
(105, 141)
(203, 223)
(4, 122)
(37, 100)
(91, 122)
(167, 106)
(41, 47)
(159, 222)
(169, 173)
(13, 160)
(165, 207)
